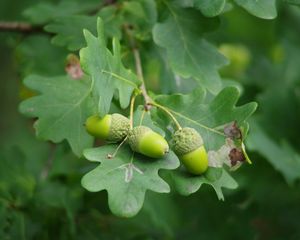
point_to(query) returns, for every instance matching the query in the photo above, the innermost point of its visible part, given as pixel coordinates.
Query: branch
(138, 66)
(22, 27)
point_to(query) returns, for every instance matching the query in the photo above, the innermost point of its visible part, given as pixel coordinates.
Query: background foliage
(40, 192)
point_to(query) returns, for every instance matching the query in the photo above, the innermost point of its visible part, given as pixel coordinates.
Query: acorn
(145, 141)
(112, 127)
(188, 146)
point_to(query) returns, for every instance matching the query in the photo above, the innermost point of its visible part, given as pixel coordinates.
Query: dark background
(38, 201)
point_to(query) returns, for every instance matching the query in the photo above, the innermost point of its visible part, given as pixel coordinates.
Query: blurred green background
(40, 192)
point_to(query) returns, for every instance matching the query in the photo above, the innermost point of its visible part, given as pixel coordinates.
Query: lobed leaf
(44, 12)
(107, 71)
(126, 177)
(188, 53)
(68, 29)
(61, 108)
(217, 178)
(210, 8)
(209, 119)
(260, 8)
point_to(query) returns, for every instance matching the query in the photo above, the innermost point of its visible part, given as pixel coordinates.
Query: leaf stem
(120, 78)
(110, 156)
(167, 112)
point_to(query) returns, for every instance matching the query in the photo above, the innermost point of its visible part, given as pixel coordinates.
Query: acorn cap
(186, 140)
(135, 135)
(119, 127)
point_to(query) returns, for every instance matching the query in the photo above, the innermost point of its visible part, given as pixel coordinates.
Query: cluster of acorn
(186, 142)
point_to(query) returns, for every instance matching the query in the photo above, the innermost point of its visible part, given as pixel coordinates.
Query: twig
(24, 27)
(19, 27)
(138, 66)
(139, 71)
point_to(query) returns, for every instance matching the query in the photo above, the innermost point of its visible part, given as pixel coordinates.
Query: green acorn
(145, 141)
(112, 128)
(188, 146)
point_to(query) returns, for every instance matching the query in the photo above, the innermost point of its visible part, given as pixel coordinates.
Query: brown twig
(138, 66)
(22, 27)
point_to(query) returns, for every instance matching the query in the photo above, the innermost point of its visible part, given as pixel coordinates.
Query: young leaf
(126, 177)
(208, 119)
(61, 109)
(260, 8)
(210, 8)
(218, 178)
(188, 53)
(106, 70)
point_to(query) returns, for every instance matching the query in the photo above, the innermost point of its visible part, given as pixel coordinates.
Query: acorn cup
(147, 142)
(112, 128)
(188, 146)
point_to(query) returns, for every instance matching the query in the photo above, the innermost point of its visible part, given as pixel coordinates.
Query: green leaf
(61, 109)
(187, 184)
(44, 12)
(69, 29)
(188, 53)
(142, 117)
(142, 15)
(17, 184)
(126, 177)
(295, 2)
(209, 119)
(210, 8)
(36, 55)
(281, 156)
(260, 8)
(107, 71)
